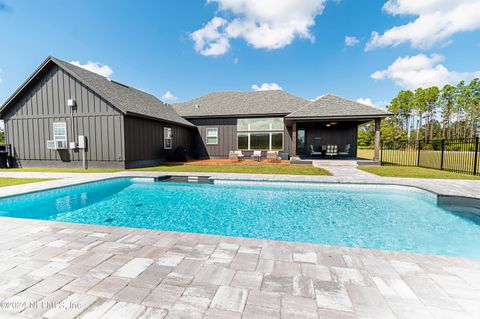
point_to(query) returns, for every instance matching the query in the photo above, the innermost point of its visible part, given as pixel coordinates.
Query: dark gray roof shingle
(332, 106)
(235, 103)
(125, 98)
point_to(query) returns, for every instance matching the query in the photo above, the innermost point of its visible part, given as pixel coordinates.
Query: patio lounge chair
(346, 152)
(313, 153)
(272, 156)
(332, 150)
(256, 156)
(240, 155)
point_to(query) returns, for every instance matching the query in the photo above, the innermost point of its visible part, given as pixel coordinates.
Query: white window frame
(56, 137)
(215, 136)
(167, 138)
(269, 131)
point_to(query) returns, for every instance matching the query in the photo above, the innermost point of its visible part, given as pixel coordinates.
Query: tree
(419, 105)
(430, 100)
(474, 108)
(447, 105)
(2, 137)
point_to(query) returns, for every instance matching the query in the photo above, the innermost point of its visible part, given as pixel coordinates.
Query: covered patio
(328, 128)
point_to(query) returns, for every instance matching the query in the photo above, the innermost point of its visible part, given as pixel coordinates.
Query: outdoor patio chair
(272, 156)
(346, 152)
(240, 155)
(256, 156)
(232, 156)
(313, 153)
(332, 150)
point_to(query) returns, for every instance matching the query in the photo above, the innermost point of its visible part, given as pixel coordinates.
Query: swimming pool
(367, 216)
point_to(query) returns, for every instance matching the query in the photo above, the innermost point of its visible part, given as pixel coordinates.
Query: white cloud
(96, 67)
(169, 97)
(411, 72)
(211, 40)
(266, 87)
(350, 41)
(367, 101)
(436, 21)
(265, 24)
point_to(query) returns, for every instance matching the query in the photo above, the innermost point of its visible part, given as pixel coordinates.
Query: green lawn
(17, 181)
(366, 154)
(62, 170)
(248, 169)
(234, 168)
(415, 172)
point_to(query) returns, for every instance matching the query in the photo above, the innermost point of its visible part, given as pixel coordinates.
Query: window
(260, 133)
(212, 136)
(60, 131)
(167, 138)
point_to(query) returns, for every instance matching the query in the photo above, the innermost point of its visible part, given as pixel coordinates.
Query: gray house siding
(227, 137)
(28, 123)
(144, 144)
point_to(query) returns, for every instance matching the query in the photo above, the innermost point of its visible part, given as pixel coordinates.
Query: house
(122, 127)
(66, 116)
(276, 120)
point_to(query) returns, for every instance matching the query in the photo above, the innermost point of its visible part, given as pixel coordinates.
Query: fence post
(475, 163)
(418, 156)
(443, 151)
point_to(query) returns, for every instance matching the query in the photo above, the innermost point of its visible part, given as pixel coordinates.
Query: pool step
(185, 179)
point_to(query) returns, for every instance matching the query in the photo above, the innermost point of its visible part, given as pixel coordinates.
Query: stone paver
(110, 272)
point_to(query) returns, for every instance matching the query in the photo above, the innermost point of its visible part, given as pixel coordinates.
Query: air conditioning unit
(57, 145)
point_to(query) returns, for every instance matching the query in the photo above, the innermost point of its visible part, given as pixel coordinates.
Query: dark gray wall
(317, 134)
(144, 141)
(29, 123)
(227, 137)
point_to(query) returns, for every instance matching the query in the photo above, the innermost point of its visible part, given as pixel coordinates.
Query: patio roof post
(294, 139)
(376, 153)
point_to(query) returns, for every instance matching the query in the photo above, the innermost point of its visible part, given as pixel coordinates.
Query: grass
(246, 169)
(414, 172)
(230, 168)
(63, 170)
(366, 154)
(18, 181)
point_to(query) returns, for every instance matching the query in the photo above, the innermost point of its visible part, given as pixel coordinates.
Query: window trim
(64, 126)
(214, 129)
(248, 134)
(167, 131)
(270, 131)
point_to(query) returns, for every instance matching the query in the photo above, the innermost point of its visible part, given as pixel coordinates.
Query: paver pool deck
(63, 270)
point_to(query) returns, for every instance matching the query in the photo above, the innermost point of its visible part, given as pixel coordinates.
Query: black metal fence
(460, 155)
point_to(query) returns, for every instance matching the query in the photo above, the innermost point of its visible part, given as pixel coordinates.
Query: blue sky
(190, 48)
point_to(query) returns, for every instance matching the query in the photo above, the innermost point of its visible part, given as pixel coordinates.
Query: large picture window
(167, 138)
(260, 133)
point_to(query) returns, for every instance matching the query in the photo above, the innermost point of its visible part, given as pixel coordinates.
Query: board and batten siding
(227, 137)
(28, 123)
(144, 141)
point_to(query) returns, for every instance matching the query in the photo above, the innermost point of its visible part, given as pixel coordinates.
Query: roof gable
(128, 100)
(332, 106)
(236, 103)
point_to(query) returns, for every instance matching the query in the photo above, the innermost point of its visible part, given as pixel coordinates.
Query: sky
(365, 50)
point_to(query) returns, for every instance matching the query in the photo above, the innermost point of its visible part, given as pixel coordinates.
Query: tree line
(450, 112)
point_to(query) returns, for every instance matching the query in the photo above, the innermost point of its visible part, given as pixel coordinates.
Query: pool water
(392, 218)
